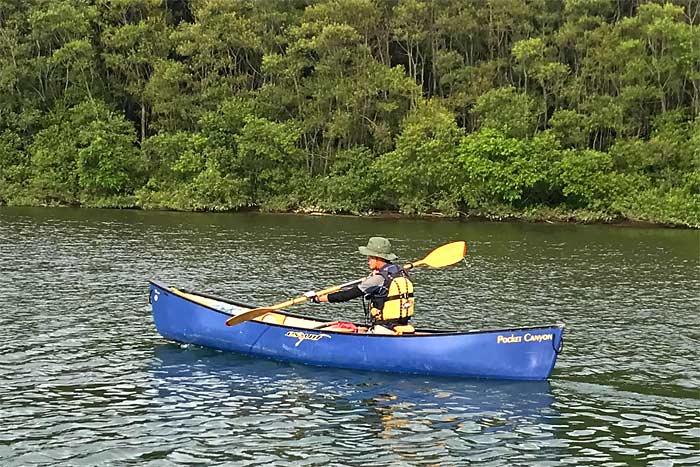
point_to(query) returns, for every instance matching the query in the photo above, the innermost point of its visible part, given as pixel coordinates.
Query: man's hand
(311, 295)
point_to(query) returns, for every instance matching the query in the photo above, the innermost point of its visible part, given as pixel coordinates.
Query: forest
(560, 110)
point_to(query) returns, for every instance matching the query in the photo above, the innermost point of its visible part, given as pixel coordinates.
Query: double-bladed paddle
(440, 257)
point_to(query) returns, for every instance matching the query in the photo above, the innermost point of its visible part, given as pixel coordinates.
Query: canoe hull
(519, 354)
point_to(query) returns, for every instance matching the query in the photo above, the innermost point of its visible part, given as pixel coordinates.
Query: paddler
(387, 292)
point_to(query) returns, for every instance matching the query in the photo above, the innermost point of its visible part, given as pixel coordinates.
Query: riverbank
(540, 214)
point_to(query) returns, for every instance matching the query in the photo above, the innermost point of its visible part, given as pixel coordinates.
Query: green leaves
(109, 164)
(586, 178)
(507, 110)
(134, 39)
(90, 154)
(422, 172)
(498, 169)
(14, 166)
(53, 163)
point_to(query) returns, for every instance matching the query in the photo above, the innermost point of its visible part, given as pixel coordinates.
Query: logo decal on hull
(303, 336)
(513, 339)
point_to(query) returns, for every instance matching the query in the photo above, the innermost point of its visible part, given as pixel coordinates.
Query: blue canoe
(195, 318)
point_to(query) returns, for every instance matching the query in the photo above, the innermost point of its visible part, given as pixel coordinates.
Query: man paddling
(388, 289)
(443, 256)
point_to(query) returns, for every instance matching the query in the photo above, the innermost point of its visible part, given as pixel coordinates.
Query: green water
(88, 381)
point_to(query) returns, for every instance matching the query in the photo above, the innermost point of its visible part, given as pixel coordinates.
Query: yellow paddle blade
(444, 255)
(247, 316)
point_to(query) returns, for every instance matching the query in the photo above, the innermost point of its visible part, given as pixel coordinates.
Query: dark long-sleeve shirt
(345, 294)
(368, 286)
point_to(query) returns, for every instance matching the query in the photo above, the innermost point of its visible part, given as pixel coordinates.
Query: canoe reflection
(214, 381)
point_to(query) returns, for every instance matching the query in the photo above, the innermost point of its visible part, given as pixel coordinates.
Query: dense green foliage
(564, 109)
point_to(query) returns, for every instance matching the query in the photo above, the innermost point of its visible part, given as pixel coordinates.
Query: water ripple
(87, 380)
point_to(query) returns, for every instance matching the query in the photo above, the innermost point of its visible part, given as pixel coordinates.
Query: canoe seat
(405, 329)
(274, 318)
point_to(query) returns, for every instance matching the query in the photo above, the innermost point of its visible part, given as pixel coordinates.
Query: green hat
(379, 247)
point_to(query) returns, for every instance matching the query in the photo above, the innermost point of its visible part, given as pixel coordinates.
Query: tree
(108, 162)
(53, 153)
(667, 40)
(422, 173)
(501, 170)
(412, 23)
(507, 110)
(14, 166)
(267, 155)
(169, 91)
(222, 48)
(570, 128)
(534, 59)
(89, 156)
(47, 53)
(134, 40)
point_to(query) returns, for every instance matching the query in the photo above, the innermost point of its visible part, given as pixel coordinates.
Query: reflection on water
(87, 380)
(343, 414)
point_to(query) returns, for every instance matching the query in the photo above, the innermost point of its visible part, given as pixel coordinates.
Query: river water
(87, 380)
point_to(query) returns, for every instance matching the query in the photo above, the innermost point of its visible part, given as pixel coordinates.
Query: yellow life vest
(398, 303)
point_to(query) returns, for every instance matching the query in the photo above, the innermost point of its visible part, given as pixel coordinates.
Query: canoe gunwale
(421, 332)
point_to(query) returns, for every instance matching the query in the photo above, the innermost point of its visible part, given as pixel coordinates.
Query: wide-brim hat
(379, 247)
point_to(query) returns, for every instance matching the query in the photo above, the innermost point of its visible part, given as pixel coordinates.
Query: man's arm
(366, 287)
(345, 295)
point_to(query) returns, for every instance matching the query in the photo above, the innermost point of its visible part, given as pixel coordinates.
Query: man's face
(372, 262)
